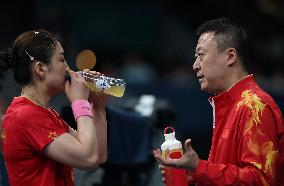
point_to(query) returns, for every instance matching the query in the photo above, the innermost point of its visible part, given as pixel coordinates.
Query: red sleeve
(42, 128)
(257, 158)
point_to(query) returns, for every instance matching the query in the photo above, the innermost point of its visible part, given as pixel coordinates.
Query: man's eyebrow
(197, 49)
(61, 53)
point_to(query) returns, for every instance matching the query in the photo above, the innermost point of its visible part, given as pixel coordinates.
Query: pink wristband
(81, 108)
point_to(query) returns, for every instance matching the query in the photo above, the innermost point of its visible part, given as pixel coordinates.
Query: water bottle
(104, 84)
(173, 149)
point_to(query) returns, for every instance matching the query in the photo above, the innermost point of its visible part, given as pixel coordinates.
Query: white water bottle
(173, 149)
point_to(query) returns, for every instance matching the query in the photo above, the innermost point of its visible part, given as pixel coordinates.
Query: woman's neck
(36, 95)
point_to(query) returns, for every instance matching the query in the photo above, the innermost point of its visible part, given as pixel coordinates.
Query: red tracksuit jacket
(248, 139)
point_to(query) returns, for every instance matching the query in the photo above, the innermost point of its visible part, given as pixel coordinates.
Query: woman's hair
(36, 45)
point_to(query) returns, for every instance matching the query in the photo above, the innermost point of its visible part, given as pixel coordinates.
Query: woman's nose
(66, 65)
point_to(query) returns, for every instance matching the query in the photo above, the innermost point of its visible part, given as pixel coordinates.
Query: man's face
(209, 64)
(56, 75)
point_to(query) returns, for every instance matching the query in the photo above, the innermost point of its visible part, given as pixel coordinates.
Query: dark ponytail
(5, 59)
(5, 62)
(39, 45)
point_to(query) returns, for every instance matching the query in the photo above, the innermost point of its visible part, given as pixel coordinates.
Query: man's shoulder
(256, 97)
(264, 96)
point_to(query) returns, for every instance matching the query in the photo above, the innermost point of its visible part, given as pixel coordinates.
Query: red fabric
(27, 130)
(248, 139)
(178, 176)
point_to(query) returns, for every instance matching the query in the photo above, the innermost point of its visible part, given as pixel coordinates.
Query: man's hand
(188, 161)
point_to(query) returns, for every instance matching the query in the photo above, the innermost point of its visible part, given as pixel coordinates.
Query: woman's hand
(98, 99)
(76, 88)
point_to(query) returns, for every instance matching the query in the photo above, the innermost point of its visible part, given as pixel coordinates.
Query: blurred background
(151, 46)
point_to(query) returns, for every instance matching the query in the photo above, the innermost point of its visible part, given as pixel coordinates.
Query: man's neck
(234, 78)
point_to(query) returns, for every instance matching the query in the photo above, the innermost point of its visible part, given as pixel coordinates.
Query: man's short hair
(227, 35)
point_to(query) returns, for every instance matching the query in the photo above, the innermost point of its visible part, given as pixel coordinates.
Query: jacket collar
(234, 92)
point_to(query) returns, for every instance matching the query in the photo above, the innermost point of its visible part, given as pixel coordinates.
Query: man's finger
(187, 145)
(162, 167)
(160, 159)
(159, 151)
(163, 173)
(164, 161)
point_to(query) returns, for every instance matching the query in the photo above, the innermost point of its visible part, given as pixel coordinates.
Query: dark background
(151, 45)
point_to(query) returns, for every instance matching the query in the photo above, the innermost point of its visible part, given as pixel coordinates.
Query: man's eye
(198, 55)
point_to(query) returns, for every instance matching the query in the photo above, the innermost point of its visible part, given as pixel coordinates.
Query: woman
(39, 147)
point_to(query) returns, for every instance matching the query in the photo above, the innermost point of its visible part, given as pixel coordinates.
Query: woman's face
(55, 77)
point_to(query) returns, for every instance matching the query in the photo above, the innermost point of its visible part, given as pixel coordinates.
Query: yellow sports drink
(107, 85)
(173, 148)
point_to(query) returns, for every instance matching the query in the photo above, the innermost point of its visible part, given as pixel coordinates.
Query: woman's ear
(232, 56)
(39, 70)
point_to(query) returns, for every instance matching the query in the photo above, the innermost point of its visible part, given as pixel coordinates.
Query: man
(248, 130)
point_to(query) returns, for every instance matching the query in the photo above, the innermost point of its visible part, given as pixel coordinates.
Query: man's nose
(196, 65)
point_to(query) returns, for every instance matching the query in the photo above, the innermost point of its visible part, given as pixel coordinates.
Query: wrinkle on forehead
(204, 40)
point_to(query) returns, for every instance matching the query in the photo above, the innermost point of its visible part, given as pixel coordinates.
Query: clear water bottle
(173, 149)
(104, 84)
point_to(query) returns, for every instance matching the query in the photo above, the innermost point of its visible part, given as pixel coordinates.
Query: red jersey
(27, 130)
(248, 139)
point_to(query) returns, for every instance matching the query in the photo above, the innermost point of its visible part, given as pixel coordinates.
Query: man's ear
(231, 56)
(40, 70)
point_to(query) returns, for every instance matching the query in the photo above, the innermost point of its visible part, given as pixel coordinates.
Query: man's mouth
(199, 77)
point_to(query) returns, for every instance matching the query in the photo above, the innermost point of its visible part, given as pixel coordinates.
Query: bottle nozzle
(170, 136)
(167, 128)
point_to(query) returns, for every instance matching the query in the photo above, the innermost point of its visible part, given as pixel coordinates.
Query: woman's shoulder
(22, 110)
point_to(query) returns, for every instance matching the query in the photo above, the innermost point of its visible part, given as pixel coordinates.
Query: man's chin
(207, 89)
(203, 87)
